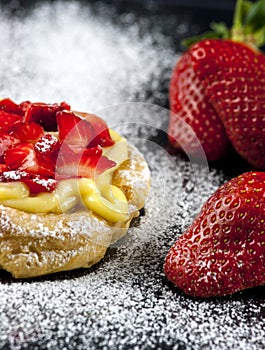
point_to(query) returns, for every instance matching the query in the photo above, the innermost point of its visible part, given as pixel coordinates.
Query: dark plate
(96, 55)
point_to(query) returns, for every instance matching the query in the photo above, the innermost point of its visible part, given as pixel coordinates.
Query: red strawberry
(30, 132)
(194, 121)
(233, 78)
(8, 121)
(23, 157)
(7, 141)
(29, 155)
(48, 147)
(9, 106)
(3, 168)
(101, 131)
(24, 106)
(43, 114)
(35, 182)
(223, 251)
(217, 88)
(38, 183)
(97, 162)
(73, 130)
(88, 163)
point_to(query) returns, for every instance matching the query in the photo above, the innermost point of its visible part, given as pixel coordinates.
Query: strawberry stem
(248, 26)
(237, 29)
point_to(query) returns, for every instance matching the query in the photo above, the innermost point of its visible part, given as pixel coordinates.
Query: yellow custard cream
(98, 195)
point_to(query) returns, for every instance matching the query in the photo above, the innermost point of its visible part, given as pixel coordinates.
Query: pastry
(69, 187)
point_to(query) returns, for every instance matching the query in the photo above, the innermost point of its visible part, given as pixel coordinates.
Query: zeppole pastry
(69, 187)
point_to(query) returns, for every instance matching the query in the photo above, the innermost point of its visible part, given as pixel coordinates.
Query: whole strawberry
(223, 251)
(218, 89)
(194, 123)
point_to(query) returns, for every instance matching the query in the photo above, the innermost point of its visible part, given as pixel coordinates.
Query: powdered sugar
(46, 143)
(14, 175)
(52, 55)
(125, 301)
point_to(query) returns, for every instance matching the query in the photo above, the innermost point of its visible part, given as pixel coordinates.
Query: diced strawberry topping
(47, 146)
(88, 164)
(101, 132)
(44, 114)
(23, 157)
(73, 130)
(24, 106)
(28, 132)
(7, 141)
(35, 182)
(9, 106)
(3, 168)
(97, 163)
(8, 121)
(30, 155)
(46, 167)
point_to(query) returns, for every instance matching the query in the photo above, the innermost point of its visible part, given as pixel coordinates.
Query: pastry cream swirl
(98, 195)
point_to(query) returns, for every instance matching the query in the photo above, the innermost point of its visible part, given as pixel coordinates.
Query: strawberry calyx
(248, 26)
(31, 153)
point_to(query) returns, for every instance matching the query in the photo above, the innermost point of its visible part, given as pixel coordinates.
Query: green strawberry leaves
(248, 26)
(249, 23)
(255, 16)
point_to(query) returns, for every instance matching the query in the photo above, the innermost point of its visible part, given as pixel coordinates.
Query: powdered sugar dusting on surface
(125, 301)
(70, 53)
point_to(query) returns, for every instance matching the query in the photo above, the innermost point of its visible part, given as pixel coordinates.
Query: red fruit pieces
(81, 153)
(73, 130)
(101, 132)
(87, 163)
(47, 146)
(30, 132)
(35, 182)
(223, 251)
(194, 121)
(29, 153)
(3, 168)
(22, 157)
(44, 114)
(7, 141)
(92, 158)
(7, 105)
(8, 121)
